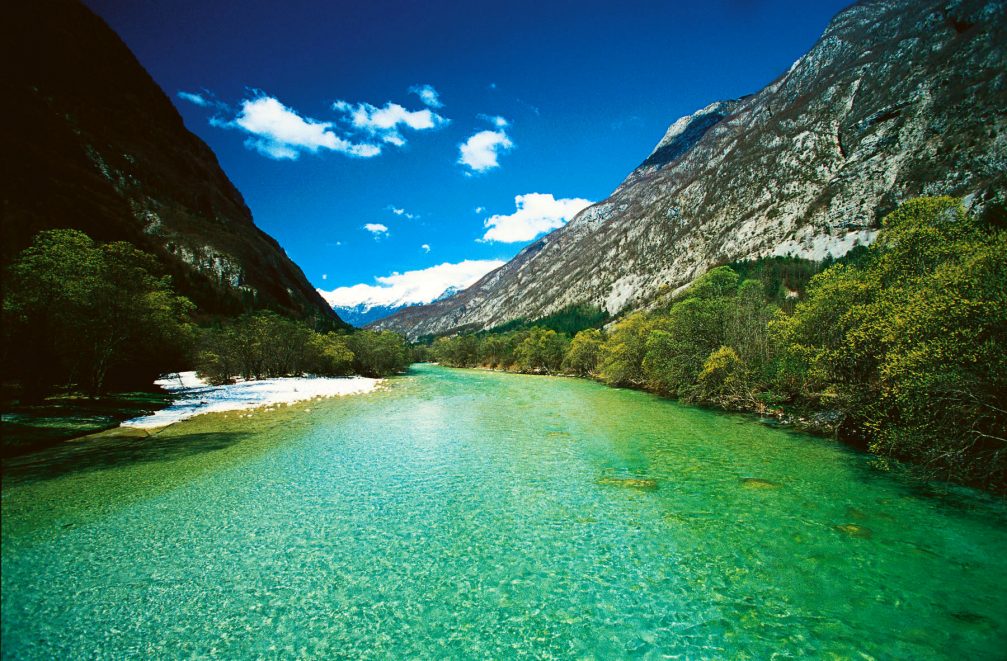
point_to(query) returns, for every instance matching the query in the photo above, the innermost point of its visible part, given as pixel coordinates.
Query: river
(471, 514)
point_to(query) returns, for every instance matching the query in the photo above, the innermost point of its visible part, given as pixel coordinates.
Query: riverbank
(194, 396)
(462, 513)
(821, 422)
(30, 428)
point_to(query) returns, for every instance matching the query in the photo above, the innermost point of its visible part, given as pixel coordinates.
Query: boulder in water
(642, 483)
(758, 483)
(853, 530)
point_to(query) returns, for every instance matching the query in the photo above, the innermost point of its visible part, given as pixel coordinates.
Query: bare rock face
(899, 98)
(91, 142)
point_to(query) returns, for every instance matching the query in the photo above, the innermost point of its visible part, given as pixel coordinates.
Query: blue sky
(338, 119)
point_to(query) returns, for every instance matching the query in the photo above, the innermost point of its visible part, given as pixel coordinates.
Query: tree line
(79, 315)
(905, 344)
(265, 345)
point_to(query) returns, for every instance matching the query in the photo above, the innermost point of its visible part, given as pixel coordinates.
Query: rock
(118, 163)
(854, 530)
(759, 483)
(644, 484)
(892, 102)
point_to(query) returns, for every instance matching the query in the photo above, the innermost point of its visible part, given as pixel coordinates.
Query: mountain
(362, 315)
(898, 98)
(366, 314)
(92, 143)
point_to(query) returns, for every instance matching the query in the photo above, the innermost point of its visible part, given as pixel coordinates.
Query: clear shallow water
(460, 513)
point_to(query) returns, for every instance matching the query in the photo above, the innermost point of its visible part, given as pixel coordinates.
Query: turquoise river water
(469, 514)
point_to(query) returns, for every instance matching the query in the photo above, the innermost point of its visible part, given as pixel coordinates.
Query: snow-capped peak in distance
(412, 287)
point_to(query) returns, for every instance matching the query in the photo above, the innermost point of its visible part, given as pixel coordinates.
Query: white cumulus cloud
(535, 214)
(412, 287)
(428, 95)
(279, 132)
(377, 229)
(384, 123)
(425, 247)
(481, 151)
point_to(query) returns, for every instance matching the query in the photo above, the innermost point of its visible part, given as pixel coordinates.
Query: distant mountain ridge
(366, 314)
(898, 98)
(362, 315)
(92, 143)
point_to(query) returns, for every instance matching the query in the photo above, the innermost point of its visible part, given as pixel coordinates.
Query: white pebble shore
(196, 397)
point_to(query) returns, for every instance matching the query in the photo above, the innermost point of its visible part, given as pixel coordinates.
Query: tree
(585, 348)
(378, 353)
(77, 311)
(621, 358)
(542, 350)
(747, 329)
(724, 381)
(497, 350)
(675, 352)
(331, 354)
(911, 343)
(459, 351)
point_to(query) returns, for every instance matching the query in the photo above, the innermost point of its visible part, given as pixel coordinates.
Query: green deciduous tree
(724, 381)
(912, 342)
(330, 354)
(542, 350)
(621, 359)
(378, 353)
(585, 348)
(76, 312)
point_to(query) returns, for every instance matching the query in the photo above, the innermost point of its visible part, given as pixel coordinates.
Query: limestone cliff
(898, 98)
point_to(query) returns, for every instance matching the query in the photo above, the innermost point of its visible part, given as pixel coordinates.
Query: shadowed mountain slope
(92, 143)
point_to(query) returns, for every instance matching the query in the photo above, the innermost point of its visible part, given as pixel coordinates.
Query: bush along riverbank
(899, 348)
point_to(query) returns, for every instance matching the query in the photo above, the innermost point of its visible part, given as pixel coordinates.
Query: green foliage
(906, 340)
(585, 349)
(266, 345)
(331, 354)
(570, 320)
(498, 351)
(255, 346)
(541, 351)
(912, 343)
(724, 381)
(621, 360)
(76, 312)
(378, 353)
(714, 284)
(694, 328)
(459, 351)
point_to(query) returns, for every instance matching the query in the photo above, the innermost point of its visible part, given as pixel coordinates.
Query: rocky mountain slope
(898, 98)
(91, 142)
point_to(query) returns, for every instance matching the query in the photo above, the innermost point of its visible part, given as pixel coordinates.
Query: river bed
(469, 514)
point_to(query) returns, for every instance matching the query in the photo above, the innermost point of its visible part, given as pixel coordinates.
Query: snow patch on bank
(196, 397)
